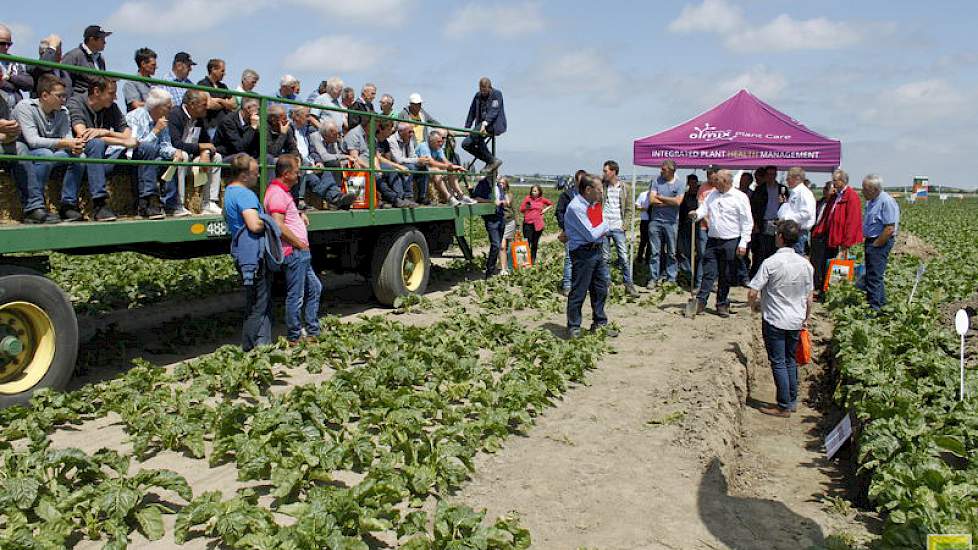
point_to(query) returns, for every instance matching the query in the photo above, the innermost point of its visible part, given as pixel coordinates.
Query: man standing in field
(616, 196)
(665, 195)
(881, 220)
(782, 291)
(585, 231)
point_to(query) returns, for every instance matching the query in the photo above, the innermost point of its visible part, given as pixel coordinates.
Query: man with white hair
(327, 151)
(365, 104)
(334, 88)
(238, 132)
(187, 133)
(881, 219)
(403, 149)
(386, 104)
(249, 79)
(151, 129)
(415, 111)
(728, 210)
(800, 207)
(49, 49)
(301, 132)
(432, 154)
(14, 77)
(288, 88)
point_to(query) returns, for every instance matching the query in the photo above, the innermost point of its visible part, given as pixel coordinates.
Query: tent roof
(741, 132)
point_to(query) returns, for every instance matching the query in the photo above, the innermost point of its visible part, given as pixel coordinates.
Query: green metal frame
(28, 238)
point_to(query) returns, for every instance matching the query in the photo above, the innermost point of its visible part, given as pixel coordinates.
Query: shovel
(691, 305)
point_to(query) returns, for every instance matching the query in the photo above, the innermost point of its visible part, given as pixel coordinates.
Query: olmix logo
(711, 133)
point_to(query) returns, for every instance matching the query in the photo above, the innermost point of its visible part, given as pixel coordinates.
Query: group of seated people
(76, 115)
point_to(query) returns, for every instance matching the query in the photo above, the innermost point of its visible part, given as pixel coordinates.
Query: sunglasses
(7, 44)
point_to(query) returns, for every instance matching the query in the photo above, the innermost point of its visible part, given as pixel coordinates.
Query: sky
(896, 82)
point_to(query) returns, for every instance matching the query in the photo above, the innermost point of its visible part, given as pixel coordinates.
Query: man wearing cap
(182, 65)
(415, 111)
(87, 54)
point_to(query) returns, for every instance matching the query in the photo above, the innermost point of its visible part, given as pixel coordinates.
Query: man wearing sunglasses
(14, 77)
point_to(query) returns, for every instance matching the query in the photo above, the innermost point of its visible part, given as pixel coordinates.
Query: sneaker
(180, 212)
(494, 165)
(425, 202)
(632, 291)
(609, 331)
(301, 204)
(504, 272)
(723, 310)
(41, 215)
(149, 210)
(469, 200)
(211, 209)
(400, 203)
(775, 411)
(700, 307)
(70, 213)
(573, 333)
(345, 201)
(104, 214)
(454, 202)
(384, 204)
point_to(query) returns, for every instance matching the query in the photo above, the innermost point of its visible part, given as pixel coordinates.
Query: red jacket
(846, 220)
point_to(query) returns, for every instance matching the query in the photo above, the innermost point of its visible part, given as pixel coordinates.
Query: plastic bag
(803, 352)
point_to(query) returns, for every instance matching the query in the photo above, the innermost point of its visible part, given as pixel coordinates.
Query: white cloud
(759, 80)
(23, 37)
(577, 72)
(921, 104)
(781, 34)
(181, 16)
(710, 16)
(378, 12)
(340, 53)
(506, 21)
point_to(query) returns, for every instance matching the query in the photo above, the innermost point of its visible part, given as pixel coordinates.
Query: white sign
(961, 323)
(839, 435)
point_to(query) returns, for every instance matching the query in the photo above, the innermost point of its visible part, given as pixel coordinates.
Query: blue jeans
(146, 175)
(621, 249)
(94, 149)
(719, 266)
(257, 329)
(701, 237)
(568, 269)
(802, 242)
(476, 146)
(32, 177)
(662, 232)
(684, 242)
(494, 228)
(315, 182)
(407, 184)
(590, 275)
(391, 187)
(876, 259)
(303, 290)
(780, 345)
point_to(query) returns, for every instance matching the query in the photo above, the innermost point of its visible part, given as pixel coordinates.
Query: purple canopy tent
(741, 132)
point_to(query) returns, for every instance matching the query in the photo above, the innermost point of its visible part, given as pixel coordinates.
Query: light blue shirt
(175, 92)
(880, 212)
(577, 226)
(671, 189)
(424, 150)
(142, 129)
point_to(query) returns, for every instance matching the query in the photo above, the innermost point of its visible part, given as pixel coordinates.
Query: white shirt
(785, 282)
(729, 215)
(612, 206)
(800, 207)
(642, 204)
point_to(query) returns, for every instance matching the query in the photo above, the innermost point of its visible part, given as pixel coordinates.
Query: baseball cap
(183, 57)
(415, 98)
(95, 31)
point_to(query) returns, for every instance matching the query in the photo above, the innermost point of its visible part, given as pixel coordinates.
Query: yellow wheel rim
(412, 267)
(35, 331)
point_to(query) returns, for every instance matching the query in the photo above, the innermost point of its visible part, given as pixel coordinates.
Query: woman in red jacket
(534, 206)
(845, 217)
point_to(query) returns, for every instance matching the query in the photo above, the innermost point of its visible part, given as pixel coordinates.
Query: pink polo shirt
(278, 200)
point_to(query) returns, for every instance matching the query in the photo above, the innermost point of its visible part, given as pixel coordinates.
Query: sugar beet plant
(899, 374)
(404, 414)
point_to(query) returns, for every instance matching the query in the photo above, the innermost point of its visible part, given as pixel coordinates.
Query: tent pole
(631, 234)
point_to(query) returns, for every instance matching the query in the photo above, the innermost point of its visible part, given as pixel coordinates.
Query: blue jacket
(489, 109)
(249, 249)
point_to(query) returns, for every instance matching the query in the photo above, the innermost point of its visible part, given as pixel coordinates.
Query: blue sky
(895, 81)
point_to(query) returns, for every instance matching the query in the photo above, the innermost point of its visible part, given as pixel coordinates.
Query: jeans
(391, 187)
(494, 228)
(568, 269)
(174, 190)
(876, 259)
(719, 266)
(621, 249)
(313, 182)
(643, 253)
(533, 238)
(780, 345)
(701, 237)
(660, 232)
(146, 175)
(802, 243)
(408, 184)
(590, 275)
(303, 289)
(743, 268)
(32, 177)
(684, 242)
(257, 329)
(94, 149)
(476, 146)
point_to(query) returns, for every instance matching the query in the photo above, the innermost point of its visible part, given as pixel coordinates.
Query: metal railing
(264, 102)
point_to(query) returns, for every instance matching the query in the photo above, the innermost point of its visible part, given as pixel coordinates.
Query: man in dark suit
(764, 203)
(238, 132)
(486, 114)
(188, 133)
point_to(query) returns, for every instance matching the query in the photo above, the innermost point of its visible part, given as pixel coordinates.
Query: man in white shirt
(728, 210)
(782, 291)
(799, 208)
(616, 195)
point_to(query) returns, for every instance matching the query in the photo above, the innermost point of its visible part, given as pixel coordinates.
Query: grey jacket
(625, 200)
(398, 153)
(37, 130)
(325, 152)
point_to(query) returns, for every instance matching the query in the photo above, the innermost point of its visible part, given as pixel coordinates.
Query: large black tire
(39, 313)
(401, 265)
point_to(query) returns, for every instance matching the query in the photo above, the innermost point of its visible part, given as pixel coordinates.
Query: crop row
(900, 376)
